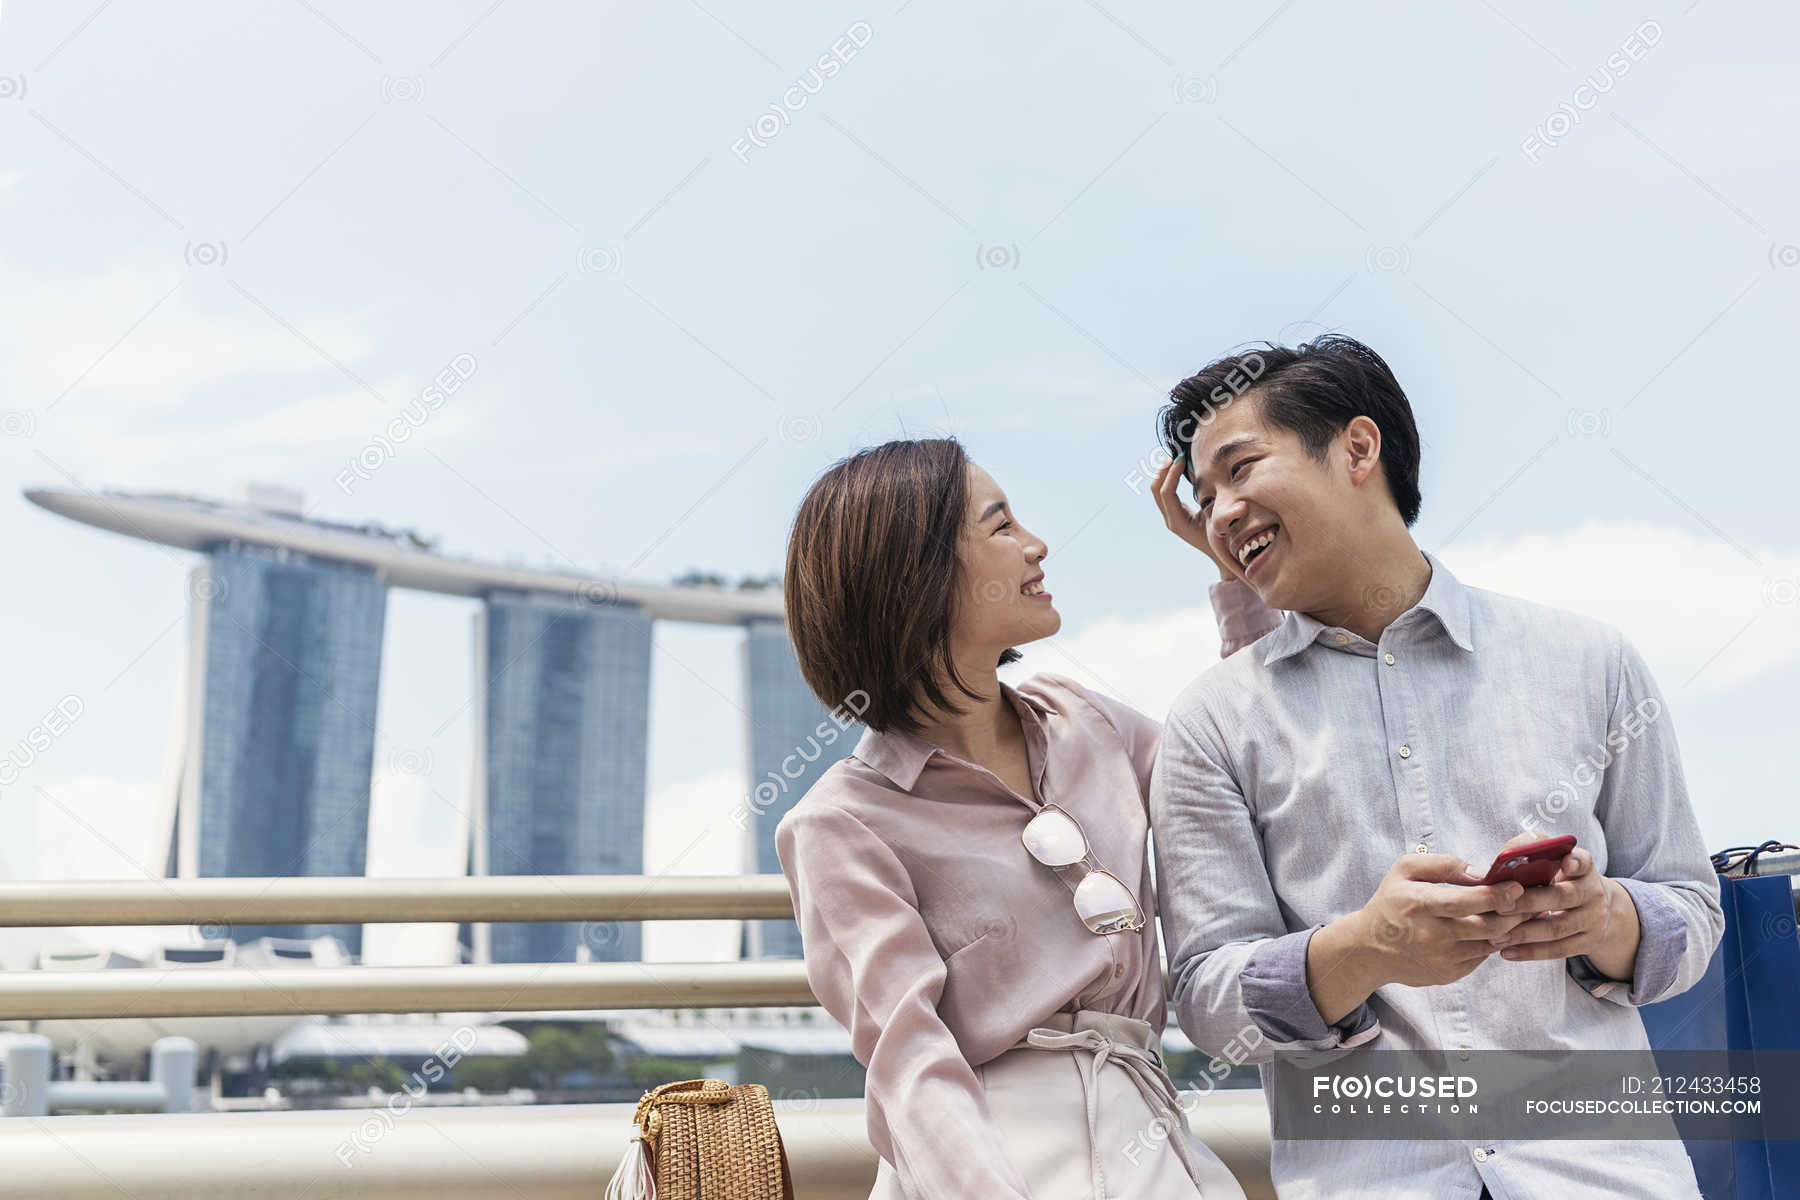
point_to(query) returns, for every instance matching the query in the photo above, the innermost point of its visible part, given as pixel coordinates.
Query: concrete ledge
(546, 1152)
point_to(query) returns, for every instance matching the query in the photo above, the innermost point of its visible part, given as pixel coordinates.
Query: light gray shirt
(1293, 774)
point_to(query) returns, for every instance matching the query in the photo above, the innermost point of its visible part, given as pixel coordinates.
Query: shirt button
(1388, 659)
(1343, 638)
(1422, 848)
(1462, 1052)
(1481, 1156)
(1406, 752)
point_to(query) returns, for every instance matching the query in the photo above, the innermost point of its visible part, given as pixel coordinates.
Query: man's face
(1272, 510)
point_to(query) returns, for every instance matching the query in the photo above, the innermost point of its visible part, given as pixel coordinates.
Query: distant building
(284, 667)
(791, 739)
(563, 699)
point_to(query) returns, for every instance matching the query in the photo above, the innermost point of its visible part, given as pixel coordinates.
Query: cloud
(688, 831)
(414, 832)
(143, 336)
(1144, 662)
(131, 363)
(1708, 615)
(91, 827)
(94, 827)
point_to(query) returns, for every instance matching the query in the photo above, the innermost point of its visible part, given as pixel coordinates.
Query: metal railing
(517, 987)
(330, 901)
(546, 1151)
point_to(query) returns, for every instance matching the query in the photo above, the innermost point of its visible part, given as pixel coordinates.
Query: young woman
(972, 884)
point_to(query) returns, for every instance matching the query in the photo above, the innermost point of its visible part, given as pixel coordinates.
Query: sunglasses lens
(1104, 904)
(1054, 839)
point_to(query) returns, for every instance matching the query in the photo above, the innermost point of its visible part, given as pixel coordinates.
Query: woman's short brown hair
(873, 577)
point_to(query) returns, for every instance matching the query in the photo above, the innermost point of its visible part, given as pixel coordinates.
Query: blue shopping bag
(1746, 1001)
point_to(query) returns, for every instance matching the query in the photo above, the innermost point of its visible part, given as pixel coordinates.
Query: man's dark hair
(873, 580)
(1313, 389)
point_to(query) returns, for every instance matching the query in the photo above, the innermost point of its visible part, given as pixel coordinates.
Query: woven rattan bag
(704, 1139)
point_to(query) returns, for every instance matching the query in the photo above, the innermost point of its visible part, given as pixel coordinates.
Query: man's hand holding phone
(1411, 931)
(1580, 911)
(1415, 932)
(1424, 934)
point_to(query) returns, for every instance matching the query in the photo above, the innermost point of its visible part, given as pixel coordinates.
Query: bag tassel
(635, 1179)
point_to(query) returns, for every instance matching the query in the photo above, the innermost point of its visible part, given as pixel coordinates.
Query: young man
(1314, 791)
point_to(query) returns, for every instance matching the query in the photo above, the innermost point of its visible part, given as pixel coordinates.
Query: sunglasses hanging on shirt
(1102, 901)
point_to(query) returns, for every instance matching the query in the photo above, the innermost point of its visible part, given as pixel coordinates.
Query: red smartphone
(1533, 864)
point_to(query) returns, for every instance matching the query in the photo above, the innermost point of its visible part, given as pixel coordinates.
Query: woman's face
(1004, 601)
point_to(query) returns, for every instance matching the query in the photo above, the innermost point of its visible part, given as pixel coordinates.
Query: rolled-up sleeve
(1233, 964)
(1653, 845)
(1241, 614)
(1280, 1002)
(872, 965)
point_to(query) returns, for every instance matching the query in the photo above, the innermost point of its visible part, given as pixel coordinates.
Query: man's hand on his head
(1184, 522)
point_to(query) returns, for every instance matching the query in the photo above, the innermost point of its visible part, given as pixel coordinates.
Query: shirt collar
(1446, 599)
(902, 756)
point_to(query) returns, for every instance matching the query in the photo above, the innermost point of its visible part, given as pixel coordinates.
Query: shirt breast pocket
(954, 930)
(983, 972)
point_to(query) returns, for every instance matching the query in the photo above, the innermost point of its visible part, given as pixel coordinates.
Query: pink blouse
(935, 938)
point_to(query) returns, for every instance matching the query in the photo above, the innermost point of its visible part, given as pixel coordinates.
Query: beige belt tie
(1146, 1072)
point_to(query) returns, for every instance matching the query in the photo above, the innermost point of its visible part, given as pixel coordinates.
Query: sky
(697, 252)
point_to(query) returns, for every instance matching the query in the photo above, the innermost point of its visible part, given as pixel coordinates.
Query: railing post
(172, 1062)
(27, 1091)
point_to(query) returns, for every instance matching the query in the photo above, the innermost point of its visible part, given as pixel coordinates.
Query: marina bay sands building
(791, 742)
(286, 655)
(286, 619)
(563, 691)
